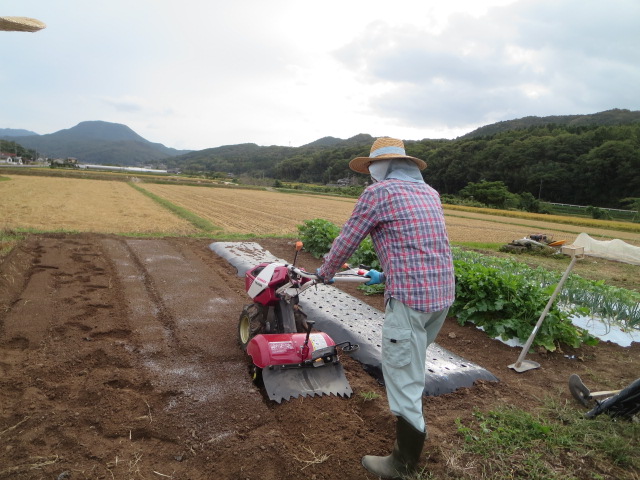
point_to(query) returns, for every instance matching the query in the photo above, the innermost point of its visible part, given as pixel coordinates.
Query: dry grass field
(273, 213)
(67, 204)
(477, 227)
(103, 206)
(254, 211)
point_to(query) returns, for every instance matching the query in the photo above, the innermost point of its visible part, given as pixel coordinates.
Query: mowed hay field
(68, 204)
(475, 227)
(237, 210)
(110, 206)
(261, 212)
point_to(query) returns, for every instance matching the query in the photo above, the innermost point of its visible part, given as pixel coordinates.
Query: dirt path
(119, 360)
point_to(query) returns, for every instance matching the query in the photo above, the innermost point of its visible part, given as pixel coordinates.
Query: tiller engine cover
(291, 368)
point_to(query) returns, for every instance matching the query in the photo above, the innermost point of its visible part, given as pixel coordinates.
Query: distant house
(344, 182)
(65, 162)
(10, 159)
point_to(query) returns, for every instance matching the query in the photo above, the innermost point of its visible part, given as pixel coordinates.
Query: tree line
(581, 165)
(597, 166)
(16, 149)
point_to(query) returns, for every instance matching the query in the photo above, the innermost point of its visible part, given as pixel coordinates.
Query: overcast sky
(194, 74)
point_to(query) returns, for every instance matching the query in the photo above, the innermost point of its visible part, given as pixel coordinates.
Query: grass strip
(558, 442)
(8, 240)
(195, 220)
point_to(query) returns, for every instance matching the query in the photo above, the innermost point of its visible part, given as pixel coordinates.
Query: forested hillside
(616, 116)
(580, 165)
(305, 164)
(14, 148)
(583, 165)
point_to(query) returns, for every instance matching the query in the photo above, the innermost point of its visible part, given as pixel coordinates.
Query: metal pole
(526, 347)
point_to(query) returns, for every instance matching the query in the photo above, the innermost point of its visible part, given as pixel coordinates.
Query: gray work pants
(406, 334)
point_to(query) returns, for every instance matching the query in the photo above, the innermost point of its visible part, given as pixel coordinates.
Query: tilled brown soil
(118, 360)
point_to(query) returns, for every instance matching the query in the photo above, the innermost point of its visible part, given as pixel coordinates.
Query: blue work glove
(322, 279)
(376, 277)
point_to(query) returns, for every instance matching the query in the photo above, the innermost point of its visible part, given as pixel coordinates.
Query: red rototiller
(288, 358)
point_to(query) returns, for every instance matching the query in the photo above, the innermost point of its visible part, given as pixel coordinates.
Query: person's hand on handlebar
(321, 279)
(375, 276)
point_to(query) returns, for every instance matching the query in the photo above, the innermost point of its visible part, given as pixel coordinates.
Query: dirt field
(119, 361)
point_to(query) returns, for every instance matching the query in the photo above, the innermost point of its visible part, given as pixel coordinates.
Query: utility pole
(540, 189)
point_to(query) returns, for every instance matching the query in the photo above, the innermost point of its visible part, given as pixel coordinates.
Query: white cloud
(195, 74)
(527, 58)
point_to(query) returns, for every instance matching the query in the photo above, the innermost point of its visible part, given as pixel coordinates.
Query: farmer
(404, 217)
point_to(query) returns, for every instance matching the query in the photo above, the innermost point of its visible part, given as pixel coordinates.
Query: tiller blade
(283, 382)
(298, 364)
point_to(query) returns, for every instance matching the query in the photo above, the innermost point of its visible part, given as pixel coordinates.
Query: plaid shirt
(406, 223)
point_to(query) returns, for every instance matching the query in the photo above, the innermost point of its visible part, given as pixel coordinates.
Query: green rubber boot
(405, 456)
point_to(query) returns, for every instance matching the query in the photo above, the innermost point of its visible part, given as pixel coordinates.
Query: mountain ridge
(103, 142)
(615, 116)
(16, 132)
(99, 142)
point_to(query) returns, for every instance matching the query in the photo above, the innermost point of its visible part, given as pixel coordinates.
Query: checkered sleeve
(362, 221)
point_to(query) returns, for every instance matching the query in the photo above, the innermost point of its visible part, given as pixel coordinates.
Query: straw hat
(20, 24)
(383, 148)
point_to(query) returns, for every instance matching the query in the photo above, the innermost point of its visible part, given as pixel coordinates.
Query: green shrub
(365, 255)
(317, 236)
(448, 199)
(598, 213)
